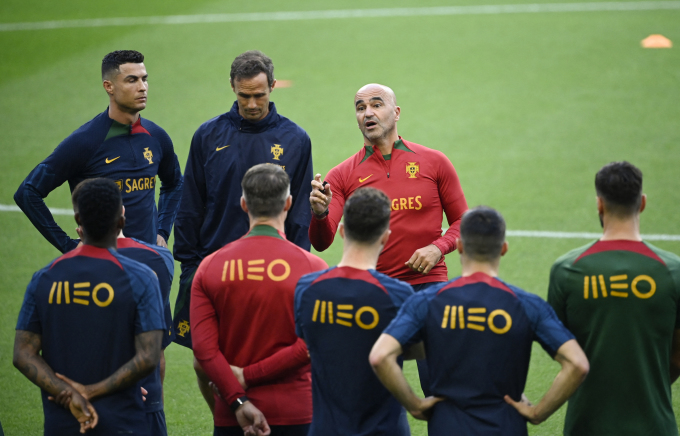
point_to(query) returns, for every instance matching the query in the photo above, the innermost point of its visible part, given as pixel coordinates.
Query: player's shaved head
(366, 215)
(376, 90)
(265, 189)
(99, 205)
(619, 185)
(482, 231)
(112, 62)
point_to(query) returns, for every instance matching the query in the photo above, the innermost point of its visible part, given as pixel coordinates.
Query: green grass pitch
(527, 106)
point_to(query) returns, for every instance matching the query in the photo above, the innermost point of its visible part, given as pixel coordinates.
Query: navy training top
(89, 305)
(340, 313)
(130, 155)
(478, 333)
(159, 259)
(221, 152)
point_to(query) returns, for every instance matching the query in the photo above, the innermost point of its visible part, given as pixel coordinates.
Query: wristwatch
(321, 216)
(238, 403)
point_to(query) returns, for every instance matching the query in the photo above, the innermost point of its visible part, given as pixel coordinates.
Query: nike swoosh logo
(221, 148)
(364, 179)
(108, 161)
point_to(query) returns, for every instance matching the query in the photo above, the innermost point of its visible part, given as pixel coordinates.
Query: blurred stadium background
(527, 102)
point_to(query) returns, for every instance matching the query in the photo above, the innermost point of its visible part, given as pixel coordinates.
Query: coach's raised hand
(321, 195)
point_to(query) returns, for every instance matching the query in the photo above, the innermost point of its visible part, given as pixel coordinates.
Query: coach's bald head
(377, 115)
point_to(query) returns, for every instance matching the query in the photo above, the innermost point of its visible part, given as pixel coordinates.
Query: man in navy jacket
(119, 145)
(221, 152)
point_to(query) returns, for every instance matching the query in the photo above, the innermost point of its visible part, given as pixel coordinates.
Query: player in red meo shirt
(242, 313)
(420, 182)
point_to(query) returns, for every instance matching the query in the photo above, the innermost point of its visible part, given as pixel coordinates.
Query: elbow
(377, 358)
(149, 362)
(581, 369)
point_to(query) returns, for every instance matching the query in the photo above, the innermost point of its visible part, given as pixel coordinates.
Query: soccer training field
(527, 102)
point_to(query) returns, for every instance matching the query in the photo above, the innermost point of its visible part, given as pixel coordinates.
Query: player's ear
(397, 111)
(600, 206)
(289, 203)
(341, 230)
(504, 248)
(232, 86)
(108, 86)
(76, 216)
(459, 245)
(385, 236)
(243, 204)
(123, 213)
(271, 88)
(643, 202)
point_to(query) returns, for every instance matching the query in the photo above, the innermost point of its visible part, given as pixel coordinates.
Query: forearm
(219, 372)
(392, 377)
(168, 204)
(127, 375)
(278, 365)
(33, 205)
(322, 232)
(39, 373)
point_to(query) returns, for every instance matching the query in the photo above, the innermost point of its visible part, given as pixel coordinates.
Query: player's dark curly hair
(366, 215)
(112, 61)
(251, 63)
(99, 203)
(482, 231)
(619, 184)
(265, 188)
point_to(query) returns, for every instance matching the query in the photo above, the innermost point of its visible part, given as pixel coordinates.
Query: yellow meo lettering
(642, 286)
(140, 184)
(102, 294)
(277, 270)
(366, 317)
(499, 321)
(405, 203)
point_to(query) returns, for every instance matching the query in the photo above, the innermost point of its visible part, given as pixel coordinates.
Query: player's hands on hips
(238, 373)
(251, 420)
(525, 408)
(423, 411)
(424, 259)
(320, 197)
(84, 412)
(160, 241)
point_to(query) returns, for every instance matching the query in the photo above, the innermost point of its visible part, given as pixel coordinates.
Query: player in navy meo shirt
(340, 313)
(159, 259)
(119, 145)
(95, 317)
(478, 332)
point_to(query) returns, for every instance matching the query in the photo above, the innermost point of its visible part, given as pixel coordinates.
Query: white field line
(516, 233)
(346, 13)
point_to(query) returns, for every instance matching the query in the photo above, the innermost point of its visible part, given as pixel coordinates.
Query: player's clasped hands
(321, 195)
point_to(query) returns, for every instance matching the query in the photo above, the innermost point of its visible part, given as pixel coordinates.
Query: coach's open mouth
(370, 124)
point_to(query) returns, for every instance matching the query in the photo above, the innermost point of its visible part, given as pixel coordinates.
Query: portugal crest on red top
(412, 168)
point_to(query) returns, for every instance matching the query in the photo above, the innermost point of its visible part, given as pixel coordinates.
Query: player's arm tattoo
(147, 356)
(27, 359)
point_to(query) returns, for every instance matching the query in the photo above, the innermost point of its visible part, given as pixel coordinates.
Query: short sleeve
(556, 297)
(28, 316)
(548, 329)
(410, 319)
(150, 314)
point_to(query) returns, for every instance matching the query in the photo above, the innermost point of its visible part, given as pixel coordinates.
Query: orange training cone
(656, 41)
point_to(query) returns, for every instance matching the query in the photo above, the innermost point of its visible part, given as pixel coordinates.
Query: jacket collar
(246, 126)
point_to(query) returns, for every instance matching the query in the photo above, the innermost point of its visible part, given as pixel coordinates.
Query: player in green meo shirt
(620, 297)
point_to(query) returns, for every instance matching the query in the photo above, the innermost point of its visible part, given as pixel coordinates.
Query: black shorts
(180, 320)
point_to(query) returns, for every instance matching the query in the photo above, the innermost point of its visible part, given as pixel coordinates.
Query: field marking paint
(345, 13)
(516, 233)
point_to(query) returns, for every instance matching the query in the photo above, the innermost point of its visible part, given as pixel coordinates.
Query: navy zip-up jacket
(131, 156)
(222, 150)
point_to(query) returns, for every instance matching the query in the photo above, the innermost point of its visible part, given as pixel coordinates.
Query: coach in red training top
(242, 315)
(420, 182)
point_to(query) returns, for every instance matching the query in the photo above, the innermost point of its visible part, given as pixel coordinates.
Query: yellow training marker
(656, 41)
